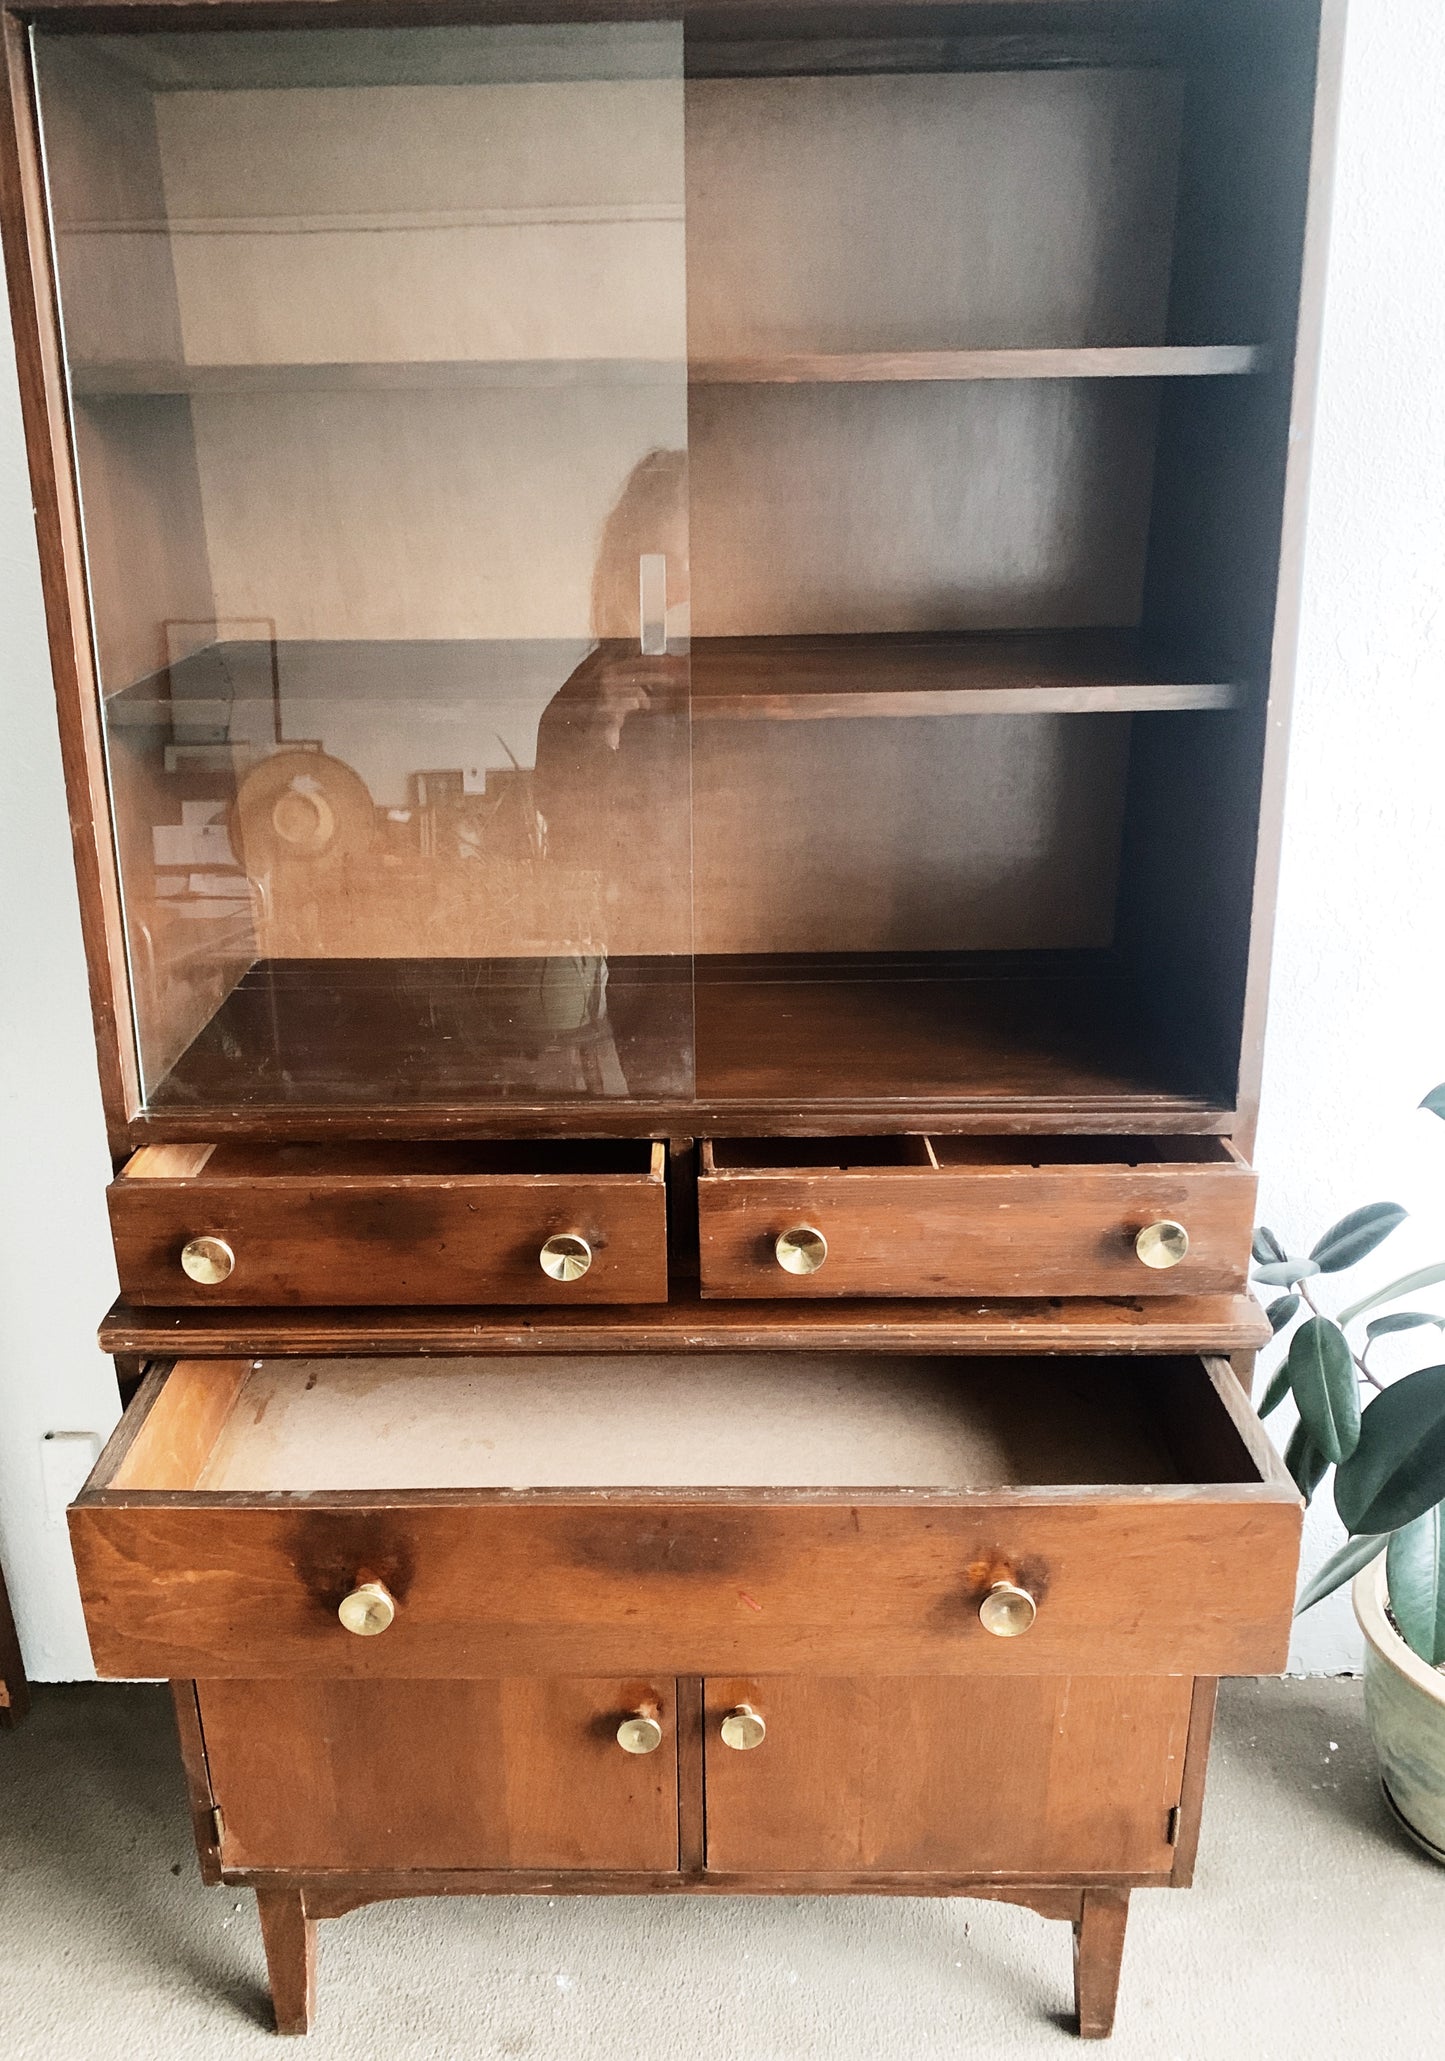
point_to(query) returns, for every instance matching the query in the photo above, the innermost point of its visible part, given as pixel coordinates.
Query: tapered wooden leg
(1098, 1952)
(290, 1941)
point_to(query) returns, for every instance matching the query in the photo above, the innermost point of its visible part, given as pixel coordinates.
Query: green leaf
(1423, 1277)
(1340, 1568)
(1348, 1241)
(1282, 1312)
(1306, 1463)
(1402, 1320)
(1275, 1394)
(1266, 1246)
(1435, 1100)
(1284, 1273)
(1322, 1375)
(1415, 1578)
(1397, 1471)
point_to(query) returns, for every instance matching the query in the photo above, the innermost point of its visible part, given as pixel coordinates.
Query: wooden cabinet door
(519, 1772)
(1039, 1775)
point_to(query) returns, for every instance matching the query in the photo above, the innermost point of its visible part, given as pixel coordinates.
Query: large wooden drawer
(973, 1216)
(689, 1514)
(253, 1225)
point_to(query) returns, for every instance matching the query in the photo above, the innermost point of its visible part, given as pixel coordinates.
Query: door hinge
(1171, 1826)
(218, 1827)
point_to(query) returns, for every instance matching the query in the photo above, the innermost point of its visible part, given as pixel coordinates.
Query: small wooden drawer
(725, 1513)
(254, 1225)
(973, 1216)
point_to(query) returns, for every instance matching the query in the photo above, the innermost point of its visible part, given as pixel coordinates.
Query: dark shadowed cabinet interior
(673, 641)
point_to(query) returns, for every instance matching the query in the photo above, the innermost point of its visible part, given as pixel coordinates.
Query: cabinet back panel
(925, 834)
(932, 211)
(997, 505)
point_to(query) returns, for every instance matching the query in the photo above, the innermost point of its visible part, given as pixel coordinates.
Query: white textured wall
(1358, 1018)
(1357, 1014)
(56, 1272)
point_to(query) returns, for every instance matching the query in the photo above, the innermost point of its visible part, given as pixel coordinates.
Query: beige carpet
(1312, 1932)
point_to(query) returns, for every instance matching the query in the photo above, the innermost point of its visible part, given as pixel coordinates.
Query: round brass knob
(743, 1728)
(1007, 1610)
(801, 1250)
(1162, 1245)
(368, 1610)
(566, 1257)
(207, 1260)
(639, 1734)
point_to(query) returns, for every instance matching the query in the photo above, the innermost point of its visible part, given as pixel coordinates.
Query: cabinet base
(290, 1907)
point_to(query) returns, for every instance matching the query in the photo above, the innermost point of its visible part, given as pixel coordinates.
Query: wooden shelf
(100, 380)
(116, 381)
(1129, 361)
(1057, 1042)
(1072, 672)
(734, 679)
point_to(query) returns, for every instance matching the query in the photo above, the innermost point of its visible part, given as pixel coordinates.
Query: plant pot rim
(1368, 1593)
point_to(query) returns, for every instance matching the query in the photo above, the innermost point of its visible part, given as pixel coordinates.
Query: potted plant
(1385, 1441)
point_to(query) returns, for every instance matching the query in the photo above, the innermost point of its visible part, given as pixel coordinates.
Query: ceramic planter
(1405, 1704)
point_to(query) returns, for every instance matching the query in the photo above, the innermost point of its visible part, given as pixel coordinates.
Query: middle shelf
(97, 379)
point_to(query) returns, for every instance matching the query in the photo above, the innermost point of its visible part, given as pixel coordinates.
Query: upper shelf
(109, 380)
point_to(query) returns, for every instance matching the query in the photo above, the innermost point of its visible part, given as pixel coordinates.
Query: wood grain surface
(1033, 1776)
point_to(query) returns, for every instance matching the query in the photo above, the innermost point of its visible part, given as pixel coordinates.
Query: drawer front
(350, 1229)
(209, 1544)
(986, 1229)
(1045, 1775)
(500, 1773)
(1132, 1583)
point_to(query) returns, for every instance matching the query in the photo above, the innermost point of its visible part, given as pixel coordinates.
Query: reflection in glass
(379, 378)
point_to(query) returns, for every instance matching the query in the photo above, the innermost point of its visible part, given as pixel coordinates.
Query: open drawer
(257, 1224)
(973, 1216)
(725, 1513)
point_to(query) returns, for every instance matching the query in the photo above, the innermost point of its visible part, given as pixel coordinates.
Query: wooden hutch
(673, 629)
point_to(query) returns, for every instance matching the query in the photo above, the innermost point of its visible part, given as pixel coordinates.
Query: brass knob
(207, 1260)
(1007, 1610)
(743, 1728)
(566, 1256)
(368, 1610)
(640, 1733)
(801, 1250)
(1162, 1245)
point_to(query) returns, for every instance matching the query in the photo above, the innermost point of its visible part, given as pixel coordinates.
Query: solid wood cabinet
(673, 642)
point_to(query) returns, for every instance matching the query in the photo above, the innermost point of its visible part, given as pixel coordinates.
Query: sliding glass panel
(377, 358)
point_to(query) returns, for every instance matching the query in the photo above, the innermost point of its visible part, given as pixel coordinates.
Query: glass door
(376, 345)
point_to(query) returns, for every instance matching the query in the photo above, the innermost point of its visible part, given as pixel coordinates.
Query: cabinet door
(378, 390)
(507, 1773)
(1041, 1775)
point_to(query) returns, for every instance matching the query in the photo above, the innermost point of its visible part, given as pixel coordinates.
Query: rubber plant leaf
(1266, 1246)
(1415, 1578)
(1284, 1273)
(1322, 1375)
(1423, 1277)
(1355, 1236)
(1341, 1567)
(1282, 1311)
(1306, 1463)
(1397, 1471)
(1278, 1389)
(1401, 1320)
